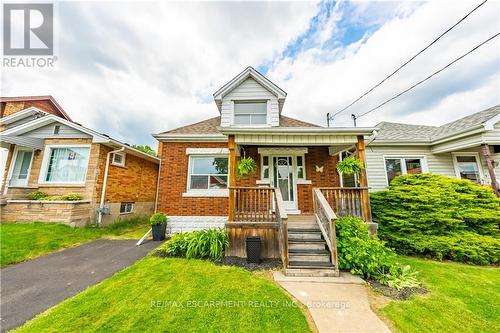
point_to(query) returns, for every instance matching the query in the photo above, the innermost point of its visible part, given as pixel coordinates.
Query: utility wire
(428, 77)
(410, 60)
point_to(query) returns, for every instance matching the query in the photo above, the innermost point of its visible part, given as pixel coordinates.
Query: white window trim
(45, 164)
(478, 161)
(205, 192)
(122, 164)
(268, 113)
(293, 154)
(13, 162)
(207, 151)
(131, 210)
(422, 158)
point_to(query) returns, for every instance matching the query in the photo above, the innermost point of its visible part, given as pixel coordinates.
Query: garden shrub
(369, 257)
(201, 244)
(439, 217)
(38, 195)
(158, 218)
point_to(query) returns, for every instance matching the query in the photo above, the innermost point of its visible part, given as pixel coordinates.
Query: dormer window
(250, 113)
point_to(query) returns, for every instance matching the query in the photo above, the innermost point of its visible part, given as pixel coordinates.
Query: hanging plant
(245, 167)
(350, 166)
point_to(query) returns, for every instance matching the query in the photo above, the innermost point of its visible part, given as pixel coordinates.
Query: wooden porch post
(486, 154)
(363, 182)
(232, 176)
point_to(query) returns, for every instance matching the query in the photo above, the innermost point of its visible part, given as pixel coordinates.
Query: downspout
(105, 182)
(373, 138)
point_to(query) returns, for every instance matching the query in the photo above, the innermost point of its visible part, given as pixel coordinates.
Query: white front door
(21, 168)
(283, 178)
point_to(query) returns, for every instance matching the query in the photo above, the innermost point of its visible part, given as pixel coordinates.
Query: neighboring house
(198, 188)
(467, 148)
(49, 152)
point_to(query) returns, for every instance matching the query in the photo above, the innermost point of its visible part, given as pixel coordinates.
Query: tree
(145, 149)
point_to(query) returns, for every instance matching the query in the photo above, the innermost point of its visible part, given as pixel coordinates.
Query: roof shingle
(209, 126)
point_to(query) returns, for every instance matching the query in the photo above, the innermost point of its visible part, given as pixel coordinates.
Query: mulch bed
(265, 264)
(393, 293)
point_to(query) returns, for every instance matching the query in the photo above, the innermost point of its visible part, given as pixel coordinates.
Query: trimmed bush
(37, 195)
(369, 257)
(158, 218)
(439, 217)
(201, 244)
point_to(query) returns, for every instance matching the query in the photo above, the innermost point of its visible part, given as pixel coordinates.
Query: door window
(283, 176)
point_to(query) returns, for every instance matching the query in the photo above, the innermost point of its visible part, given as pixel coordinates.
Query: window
(250, 113)
(118, 159)
(395, 166)
(207, 173)
(348, 180)
(467, 167)
(56, 129)
(126, 207)
(65, 164)
(300, 168)
(265, 167)
(21, 168)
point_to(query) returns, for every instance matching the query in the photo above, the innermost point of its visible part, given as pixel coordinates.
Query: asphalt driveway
(34, 286)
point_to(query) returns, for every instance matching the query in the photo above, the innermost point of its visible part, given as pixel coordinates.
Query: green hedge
(439, 217)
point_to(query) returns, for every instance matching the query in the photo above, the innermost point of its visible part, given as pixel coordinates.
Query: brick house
(48, 152)
(296, 178)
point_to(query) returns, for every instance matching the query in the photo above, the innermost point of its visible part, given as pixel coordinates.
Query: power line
(407, 62)
(428, 77)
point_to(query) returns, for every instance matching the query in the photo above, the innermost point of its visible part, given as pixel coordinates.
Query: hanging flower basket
(246, 166)
(350, 166)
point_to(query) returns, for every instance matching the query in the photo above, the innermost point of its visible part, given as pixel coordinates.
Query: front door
(20, 171)
(283, 170)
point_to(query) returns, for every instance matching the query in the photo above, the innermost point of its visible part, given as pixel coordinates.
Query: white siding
(249, 90)
(493, 136)
(47, 132)
(441, 164)
(375, 165)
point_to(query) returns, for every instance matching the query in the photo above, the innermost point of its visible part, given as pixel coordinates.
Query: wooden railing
(325, 217)
(282, 218)
(348, 201)
(253, 204)
(261, 205)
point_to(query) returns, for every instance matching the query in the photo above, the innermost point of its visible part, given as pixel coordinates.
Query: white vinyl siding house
(454, 149)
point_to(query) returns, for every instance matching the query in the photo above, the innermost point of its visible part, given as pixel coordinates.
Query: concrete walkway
(336, 304)
(34, 286)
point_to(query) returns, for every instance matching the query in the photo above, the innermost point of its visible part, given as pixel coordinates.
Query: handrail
(282, 217)
(349, 201)
(326, 217)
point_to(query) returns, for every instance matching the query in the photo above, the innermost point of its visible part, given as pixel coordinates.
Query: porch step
(308, 264)
(304, 234)
(300, 251)
(311, 258)
(300, 272)
(309, 244)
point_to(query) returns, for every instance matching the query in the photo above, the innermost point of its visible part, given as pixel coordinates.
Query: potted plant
(245, 167)
(350, 166)
(158, 223)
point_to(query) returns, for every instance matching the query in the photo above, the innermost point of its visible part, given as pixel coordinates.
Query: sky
(130, 69)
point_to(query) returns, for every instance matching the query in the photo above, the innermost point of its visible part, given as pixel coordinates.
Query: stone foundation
(72, 213)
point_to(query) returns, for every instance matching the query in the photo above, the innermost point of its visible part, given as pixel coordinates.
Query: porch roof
(298, 136)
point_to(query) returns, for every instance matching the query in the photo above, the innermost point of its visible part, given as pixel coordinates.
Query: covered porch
(296, 186)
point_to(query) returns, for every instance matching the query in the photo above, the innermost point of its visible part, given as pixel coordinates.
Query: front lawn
(176, 295)
(23, 241)
(461, 298)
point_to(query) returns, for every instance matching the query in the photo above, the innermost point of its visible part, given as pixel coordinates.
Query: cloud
(132, 69)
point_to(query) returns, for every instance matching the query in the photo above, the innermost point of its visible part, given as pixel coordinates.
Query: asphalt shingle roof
(209, 126)
(408, 132)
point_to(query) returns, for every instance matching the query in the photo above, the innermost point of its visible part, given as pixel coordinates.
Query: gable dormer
(250, 99)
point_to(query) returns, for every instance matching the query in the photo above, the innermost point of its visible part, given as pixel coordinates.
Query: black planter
(253, 249)
(159, 231)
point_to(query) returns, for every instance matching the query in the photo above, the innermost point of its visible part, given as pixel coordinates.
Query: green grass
(23, 241)
(124, 302)
(462, 298)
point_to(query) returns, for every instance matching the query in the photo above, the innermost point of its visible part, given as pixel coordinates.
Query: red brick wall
(9, 108)
(317, 156)
(173, 182)
(173, 179)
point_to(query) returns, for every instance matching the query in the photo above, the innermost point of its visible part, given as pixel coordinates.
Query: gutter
(105, 182)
